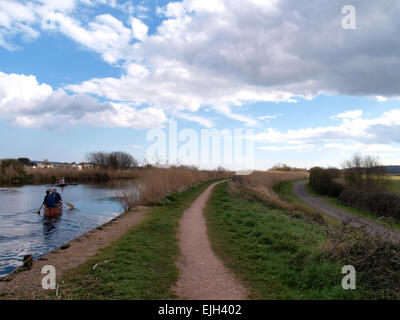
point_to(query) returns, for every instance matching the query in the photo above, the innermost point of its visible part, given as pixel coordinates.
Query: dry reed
(259, 187)
(262, 183)
(51, 175)
(154, 184)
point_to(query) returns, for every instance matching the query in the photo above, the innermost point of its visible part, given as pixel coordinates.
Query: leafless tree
(112, 160)
(366, 173)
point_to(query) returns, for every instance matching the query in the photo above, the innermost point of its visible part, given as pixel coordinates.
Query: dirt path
(27, 284)
(202, 274)
(371, 227)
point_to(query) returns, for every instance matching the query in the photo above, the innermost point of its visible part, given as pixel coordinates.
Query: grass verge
(396, 184)
(285, 190)
(141, 264)
(387, 222)
(277, 256)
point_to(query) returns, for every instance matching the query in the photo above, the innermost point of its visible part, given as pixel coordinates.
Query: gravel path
(369, 226)
(202, 274)
(27, 284)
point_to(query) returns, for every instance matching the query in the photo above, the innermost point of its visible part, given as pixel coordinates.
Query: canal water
(23, 231)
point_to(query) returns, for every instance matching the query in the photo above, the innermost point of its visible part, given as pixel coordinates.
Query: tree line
(112, 160)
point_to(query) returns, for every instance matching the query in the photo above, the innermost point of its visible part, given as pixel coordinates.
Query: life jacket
(49, 201)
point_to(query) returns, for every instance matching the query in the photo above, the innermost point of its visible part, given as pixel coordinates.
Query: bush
(285, 167)
(375, 257)
(384, 204)
(112, 160)
(324, 181)
(366, 173)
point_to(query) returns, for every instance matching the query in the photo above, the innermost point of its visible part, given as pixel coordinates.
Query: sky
(78, 76)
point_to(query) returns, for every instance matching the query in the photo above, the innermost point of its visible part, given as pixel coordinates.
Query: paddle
(38, 212)
(68, 204)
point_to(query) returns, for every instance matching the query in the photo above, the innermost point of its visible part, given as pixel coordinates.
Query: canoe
(52, 211)
(65, 185)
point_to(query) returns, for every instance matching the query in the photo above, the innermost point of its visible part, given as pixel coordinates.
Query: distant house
(47, 164)
(61, 165)
(86, 165)
(43, 164)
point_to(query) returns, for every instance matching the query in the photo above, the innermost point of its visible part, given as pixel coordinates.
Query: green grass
(285, 190)
(396, 184)
(274, 255)
(362, 213)
(141, 264)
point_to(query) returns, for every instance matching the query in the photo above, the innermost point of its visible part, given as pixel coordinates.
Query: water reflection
(50, 225)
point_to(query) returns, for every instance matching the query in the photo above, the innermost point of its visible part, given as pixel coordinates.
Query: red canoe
(52, 211)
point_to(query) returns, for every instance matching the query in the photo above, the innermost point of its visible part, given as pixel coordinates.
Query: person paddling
(57, 197)
(49, 200)
(61, 182)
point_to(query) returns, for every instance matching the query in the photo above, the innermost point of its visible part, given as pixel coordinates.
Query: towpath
(202, 275)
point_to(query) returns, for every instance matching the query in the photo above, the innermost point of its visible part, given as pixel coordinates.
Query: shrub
(325, 181)
(285, 167)
(384, 204)
(375, 257)
(112, 160)
(366, 173)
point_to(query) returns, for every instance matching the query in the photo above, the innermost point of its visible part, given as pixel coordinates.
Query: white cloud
(379, 136)
(105, 35)
(381, 99)
(203, 121)
(267, 117)
(139, 29)
(59, 5)
(14, 11)
(353, 114)
(227, 112)
(27, 103)
(20, 93)
(360, 147)
(383, 130)
(224, 53)
(16, 19)
(302, 147)
(231, 52)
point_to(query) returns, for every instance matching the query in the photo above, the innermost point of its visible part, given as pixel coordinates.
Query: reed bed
(51, 175)
(261, 182)
(154, 184)
(259, 187)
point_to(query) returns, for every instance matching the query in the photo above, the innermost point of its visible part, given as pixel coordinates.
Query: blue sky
(85, 75)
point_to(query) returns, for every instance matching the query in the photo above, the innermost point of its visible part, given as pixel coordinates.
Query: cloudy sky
(85, 75)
